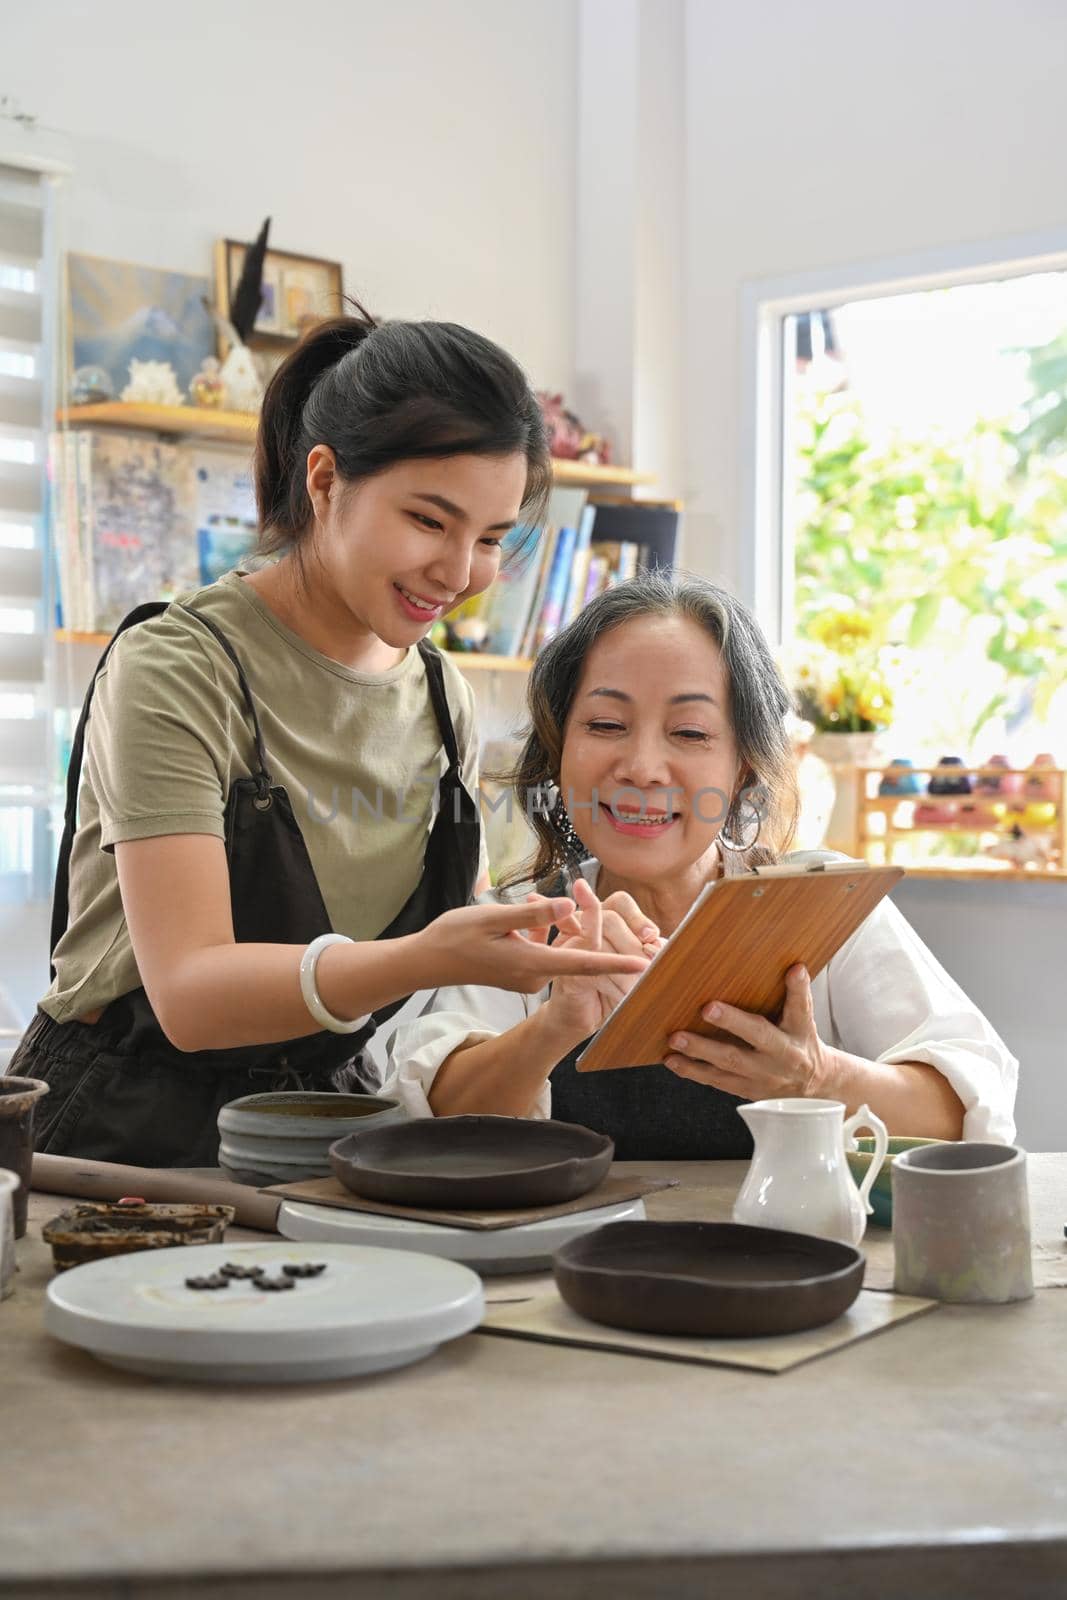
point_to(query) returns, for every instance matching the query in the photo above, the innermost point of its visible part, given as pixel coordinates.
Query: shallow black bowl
(716, 1279)
(453, 1163)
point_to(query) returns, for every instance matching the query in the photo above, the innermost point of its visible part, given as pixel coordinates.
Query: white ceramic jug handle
(864, 1118)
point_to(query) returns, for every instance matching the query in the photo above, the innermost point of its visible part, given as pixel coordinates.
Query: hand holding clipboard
(736, 943)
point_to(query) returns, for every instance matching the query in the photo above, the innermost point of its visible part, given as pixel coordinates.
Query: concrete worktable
(930, 1460)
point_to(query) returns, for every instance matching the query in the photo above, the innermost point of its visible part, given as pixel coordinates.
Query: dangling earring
(735, 825)
(571, 849)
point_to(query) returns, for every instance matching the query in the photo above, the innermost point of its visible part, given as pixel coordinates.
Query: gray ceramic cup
(961, 1224)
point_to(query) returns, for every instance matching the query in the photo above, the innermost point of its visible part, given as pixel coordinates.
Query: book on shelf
(566, 516)
(506, 606)
(586, 547)
(653, 528)
(546, 553)
(580, 560)
(136, 518)
(548, 624)
(597, 576)
(224, 510)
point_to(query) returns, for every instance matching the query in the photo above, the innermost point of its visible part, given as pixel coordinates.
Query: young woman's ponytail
(382, 393)
(280, 465)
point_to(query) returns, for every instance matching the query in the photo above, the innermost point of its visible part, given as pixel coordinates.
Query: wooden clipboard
(736, 944)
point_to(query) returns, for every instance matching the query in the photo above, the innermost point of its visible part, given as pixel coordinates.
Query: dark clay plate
(711, 1279)
(476, 1163)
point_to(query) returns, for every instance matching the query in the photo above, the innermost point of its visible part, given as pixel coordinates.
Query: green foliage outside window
(954, 549)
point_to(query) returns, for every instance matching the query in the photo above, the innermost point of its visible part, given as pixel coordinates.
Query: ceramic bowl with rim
(881, 1190)
(457, 1163)
(707, 1279)
(286, 1136)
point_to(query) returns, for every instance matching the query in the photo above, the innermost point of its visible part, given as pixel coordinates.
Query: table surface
(929, 1457)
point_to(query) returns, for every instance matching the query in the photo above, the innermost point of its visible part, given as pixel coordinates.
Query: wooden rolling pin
(107, 1180)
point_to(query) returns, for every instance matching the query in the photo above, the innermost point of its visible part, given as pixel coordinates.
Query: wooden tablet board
(736, 944)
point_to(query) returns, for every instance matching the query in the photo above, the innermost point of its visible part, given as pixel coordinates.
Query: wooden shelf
(72, 636)
(464, 659)
(971, 872)
(586, 474)
(239, 427)
(236, 427)
(1004, 825)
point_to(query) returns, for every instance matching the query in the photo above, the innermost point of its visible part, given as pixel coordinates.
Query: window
(28, 304)
(924, 496)
(961, 352)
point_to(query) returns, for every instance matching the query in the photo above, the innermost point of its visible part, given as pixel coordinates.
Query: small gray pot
(961, 1224)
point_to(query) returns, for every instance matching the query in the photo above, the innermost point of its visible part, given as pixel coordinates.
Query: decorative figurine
(568, 439)
(240, 377)
(1038, 814)
(469, 634)
(994, 782)
(1040, 782)
(91, 386)
(206, 387)
(946, 780)
(933, 816)
(899, 778)
(1022, 849)
(152, 383)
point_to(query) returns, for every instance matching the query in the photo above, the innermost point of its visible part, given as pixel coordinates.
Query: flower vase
(843, 752)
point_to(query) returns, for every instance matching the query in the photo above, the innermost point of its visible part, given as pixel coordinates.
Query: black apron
(120, 1091)
(651, 1114)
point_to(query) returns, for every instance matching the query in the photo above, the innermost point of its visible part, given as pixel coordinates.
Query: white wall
(1006, 946)
(630, 332)
(427, 144)
(834, 132)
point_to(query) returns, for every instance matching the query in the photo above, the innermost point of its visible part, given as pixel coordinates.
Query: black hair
(379, 393)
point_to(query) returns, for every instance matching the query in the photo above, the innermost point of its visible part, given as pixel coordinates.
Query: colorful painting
(119, 311)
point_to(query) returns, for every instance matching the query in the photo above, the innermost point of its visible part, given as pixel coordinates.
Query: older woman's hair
(758, 706)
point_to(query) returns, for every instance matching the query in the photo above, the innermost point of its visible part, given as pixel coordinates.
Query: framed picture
(120, 312)
(297, 292)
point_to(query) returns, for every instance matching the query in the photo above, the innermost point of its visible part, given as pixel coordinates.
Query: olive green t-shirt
(358, 753)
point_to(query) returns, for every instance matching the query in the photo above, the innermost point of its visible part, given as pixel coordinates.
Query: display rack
(885, 824)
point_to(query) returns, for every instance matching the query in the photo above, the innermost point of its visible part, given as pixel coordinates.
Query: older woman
(658, 722)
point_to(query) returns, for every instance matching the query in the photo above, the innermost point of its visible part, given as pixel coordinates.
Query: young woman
(276, 830)
(658, 716)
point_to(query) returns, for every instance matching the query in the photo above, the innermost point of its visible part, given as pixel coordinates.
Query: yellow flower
(873, 707)
(841, 631)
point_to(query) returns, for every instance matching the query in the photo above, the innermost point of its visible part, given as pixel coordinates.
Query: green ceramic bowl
(881, 1191)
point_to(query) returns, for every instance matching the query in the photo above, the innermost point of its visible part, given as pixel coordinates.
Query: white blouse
(883, 997)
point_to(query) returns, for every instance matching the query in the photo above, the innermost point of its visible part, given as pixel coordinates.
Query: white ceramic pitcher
(798, 1178)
